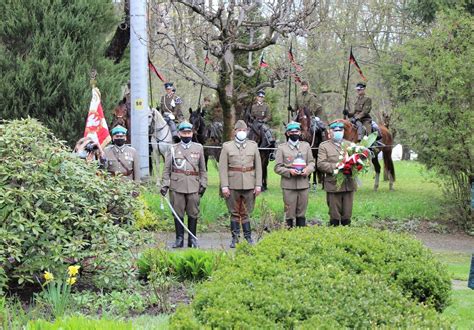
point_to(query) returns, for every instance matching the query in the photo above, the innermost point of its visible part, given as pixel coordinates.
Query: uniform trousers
(188, 203)
(296, 202)
(340, 205)
(240, 204)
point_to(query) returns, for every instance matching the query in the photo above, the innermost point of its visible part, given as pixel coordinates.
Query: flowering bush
(354, 158)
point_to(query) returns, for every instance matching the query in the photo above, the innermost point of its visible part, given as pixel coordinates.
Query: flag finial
(93, 76)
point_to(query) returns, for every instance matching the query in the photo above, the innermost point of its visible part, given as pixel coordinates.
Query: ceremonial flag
(291, 57)
(96, 126)
(153, 68)
(263, 64)
(352, 60)
(207, 60)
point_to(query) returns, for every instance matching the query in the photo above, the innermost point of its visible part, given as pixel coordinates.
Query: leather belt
(241, 169)
(187, 172)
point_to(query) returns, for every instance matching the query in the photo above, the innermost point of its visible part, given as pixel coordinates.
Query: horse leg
(264, 159)
(376, 163)
(389, 167)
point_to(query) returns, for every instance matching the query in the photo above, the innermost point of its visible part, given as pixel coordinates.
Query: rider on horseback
(260, 115)
(170, 107)
(309, 100)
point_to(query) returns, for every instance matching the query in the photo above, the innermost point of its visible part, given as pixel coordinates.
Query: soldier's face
(260, 98)
(186, 134)
(304, 88)
(360, 91)
(169, 90)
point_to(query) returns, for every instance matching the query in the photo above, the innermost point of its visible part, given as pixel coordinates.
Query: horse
(207, 136)
(160, 139)
(121, 117)
(314, 134)
(256, 129)
(350, 134)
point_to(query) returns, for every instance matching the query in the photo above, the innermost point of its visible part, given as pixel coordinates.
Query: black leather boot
(334, 222)
(247, 232)
(192, 226)
(300, 222)
(235, 230)
(289, 223)
(179, 229)
(346, 222)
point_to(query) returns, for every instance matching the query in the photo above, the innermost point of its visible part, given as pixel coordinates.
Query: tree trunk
(226, 92)
(119, 42)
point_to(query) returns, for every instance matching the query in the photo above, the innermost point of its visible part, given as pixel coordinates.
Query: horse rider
(170, 106)
(240, 173)
(339, 198)
(120, 158)
(260, 115)
(309, 100)
(361, 114)
(185, 176)
(294, 162)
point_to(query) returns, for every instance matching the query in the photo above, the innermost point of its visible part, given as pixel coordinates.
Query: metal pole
(347, 84)
(139, 82)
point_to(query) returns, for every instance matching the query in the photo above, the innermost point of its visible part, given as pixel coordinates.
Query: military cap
(168, 85)
(261, 93)
(293, 126)
(240, 124)
(360, 85)
(336, 125)
(185, 127)
(119, 130)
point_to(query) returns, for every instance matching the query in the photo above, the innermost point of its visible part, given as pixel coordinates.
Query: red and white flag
(96, 126)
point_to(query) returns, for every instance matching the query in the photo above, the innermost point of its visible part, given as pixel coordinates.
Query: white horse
(160, 139)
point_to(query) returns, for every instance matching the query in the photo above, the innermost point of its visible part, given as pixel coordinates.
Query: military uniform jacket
(362, 108)
(172, 104)
(285, 155)
(240, 166)
(261, 111)
(328, 157)
(123, 160)
(310, 101)
(185, 168)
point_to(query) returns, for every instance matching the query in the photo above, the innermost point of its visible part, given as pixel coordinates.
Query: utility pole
(139, 82)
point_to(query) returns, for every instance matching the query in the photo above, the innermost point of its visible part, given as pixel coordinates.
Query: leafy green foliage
(329, 277)
(80, 322)
(47, 50)
(55, 210)
(431, 82)
(191, 264)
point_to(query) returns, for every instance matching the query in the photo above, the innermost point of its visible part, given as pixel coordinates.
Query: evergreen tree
(47, 51)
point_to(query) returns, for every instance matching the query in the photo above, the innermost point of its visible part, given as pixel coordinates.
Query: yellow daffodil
(73, 270)
(71, 280)
(48, 276)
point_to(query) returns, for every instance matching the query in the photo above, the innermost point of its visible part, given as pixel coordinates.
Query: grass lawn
(417, 196)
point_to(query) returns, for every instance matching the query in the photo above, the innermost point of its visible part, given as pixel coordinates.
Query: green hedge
(323, 277)
(57, 210)
(190, 264)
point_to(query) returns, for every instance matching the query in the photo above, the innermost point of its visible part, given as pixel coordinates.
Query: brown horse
(121, 117)
(350, 134)
(313, 137)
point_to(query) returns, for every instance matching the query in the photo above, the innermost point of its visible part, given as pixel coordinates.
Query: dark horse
(314, 133)
(256, 133)
(350, 133)
(121, 117)
(210, 137)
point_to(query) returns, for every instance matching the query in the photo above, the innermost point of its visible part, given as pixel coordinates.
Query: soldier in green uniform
(121, 159)
(294, 162)
(339, 199)
(361, 114)
(240, 173)
(309, 100)
(185, 176)
(170, 106)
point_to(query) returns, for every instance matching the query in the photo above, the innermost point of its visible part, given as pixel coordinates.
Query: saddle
(265, 132)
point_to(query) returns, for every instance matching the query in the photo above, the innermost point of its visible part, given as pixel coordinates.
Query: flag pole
(347, 84)
(289, 83)
(149, 84)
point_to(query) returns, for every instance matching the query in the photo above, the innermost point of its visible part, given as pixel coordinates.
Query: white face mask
(241, 135)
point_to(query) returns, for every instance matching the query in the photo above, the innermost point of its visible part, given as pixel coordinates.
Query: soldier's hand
(294, 172)
(345, 112)
(202, 190)
(225, 192)
(257, 190)
(304, 172)
(164, 191)
(290, 108)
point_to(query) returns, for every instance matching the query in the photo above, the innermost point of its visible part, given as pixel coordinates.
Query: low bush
(79, 322)
(58, 210)
(323, 277)
(190, 264)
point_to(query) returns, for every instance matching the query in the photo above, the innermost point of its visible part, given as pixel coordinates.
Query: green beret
(293, 126)
(119, 130)
(336, 125)
(240, 124)
(185, 126)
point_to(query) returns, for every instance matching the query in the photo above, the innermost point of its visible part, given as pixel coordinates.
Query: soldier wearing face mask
(185, 176)
(121, 159)
(294, 162)
(240, 173)
(339, 199)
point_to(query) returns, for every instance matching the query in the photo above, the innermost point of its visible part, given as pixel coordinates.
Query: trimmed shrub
(191, 264)
(55, 210)
(323, 277)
